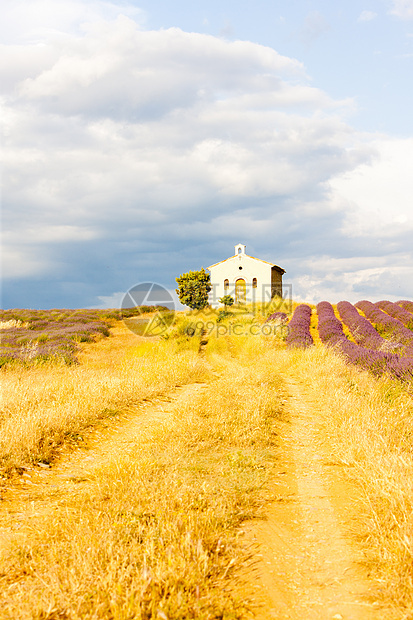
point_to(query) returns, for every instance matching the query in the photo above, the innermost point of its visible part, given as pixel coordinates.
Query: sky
(144, 139)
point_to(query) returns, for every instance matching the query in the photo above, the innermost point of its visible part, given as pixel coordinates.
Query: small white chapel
(245, 278)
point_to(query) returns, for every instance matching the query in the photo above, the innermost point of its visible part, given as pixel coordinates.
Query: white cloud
(354, 278)
(122, 113)
(39, 20)
(402, 9)
(380, 196)
(119, 71)
(133, 155)
(366, 16)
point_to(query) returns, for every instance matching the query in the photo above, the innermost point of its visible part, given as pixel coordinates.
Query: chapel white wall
(230, 269)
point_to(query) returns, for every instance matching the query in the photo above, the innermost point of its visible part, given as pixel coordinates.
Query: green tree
(193, 289)
(227, 300)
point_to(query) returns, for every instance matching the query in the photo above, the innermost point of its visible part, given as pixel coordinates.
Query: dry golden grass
(370, 424)
(153, 533)
(46, 405)
(314, 328)
(12, 323)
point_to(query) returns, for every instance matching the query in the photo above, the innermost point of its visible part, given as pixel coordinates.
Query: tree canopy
(193, 289)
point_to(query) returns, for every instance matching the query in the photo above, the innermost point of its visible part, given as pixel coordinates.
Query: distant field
(39, 335)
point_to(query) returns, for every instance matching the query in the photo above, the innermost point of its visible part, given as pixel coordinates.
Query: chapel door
(240, 291)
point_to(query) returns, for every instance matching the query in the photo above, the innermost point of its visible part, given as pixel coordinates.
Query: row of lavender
(299, 335)
(38, 335)
(374, 359)
(388, 325)
(392, 354)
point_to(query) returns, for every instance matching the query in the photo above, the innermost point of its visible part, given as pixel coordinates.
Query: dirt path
(40, 489)
(307, 567)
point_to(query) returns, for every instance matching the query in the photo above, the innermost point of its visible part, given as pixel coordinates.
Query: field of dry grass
(47, 405)
(153, 532)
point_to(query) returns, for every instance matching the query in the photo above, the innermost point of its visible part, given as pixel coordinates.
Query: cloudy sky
(143, 139)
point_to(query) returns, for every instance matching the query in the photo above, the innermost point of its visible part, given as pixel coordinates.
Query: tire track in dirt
(41, 490)
(306, 565)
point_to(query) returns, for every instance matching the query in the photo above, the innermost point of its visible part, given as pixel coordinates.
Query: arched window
(226, 285)
(254, 283)
(239, 250)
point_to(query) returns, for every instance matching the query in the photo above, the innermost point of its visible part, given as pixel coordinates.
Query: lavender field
(380, 335)
(33, 336)
(375, 336)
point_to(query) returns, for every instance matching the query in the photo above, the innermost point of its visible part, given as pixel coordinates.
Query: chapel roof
(248, 256)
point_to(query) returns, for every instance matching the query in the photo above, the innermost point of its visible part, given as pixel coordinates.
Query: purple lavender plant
(330, 328)
(299, 328)
(385, 324)
(361, 329)
(377, 362)
(407, 305)
(279, 317)
(38, 335)
(396, 312)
